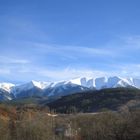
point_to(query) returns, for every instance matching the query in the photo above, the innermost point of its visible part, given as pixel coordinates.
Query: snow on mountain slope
(28, 86)
(4, 95)
(38, 88)
(84, 81)
(6, 86)
(104, 82)
(101, 82)
(64, 89)
(89, 82)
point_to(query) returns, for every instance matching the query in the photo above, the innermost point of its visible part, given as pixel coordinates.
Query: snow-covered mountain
(47, 89)
(31, 87)
(107, 82)
(35, 88)
(63, 88)
(6, 86)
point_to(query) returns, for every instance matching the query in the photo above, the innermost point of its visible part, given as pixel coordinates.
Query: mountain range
(9, 91)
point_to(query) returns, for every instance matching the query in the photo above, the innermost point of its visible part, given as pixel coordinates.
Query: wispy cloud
(132, 40)
(132, 70)
(10, 60)
(53, 44)
(70, 73)
(57, 62)
(78, 50)
(46, 74)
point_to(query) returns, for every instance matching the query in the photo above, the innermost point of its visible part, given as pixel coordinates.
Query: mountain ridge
(61, 88)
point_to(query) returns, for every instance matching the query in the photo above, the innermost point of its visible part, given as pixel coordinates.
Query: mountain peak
(35, 83)
(69, 86)
(106, 82)
(6, 86)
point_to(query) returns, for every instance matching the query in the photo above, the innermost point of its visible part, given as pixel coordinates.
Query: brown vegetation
(36, 123)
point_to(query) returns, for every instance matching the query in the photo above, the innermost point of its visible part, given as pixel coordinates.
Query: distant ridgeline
(53, 90)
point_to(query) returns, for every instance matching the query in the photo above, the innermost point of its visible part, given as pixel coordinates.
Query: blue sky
(57, 39)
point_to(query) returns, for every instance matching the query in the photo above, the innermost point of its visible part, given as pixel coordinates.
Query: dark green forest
(97, 101)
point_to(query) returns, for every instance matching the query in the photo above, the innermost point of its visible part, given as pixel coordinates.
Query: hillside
(99, 100)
